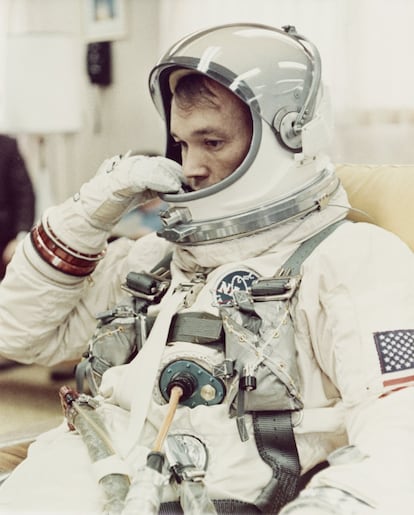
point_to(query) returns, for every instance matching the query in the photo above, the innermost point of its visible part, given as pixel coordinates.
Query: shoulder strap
(306, 248)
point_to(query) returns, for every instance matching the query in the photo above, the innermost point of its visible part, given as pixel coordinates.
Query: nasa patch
(237, 280)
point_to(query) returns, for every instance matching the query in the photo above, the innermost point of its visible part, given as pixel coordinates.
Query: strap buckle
(274, 288)
(147, 286)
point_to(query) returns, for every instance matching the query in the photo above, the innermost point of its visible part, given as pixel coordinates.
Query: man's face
(214, 139)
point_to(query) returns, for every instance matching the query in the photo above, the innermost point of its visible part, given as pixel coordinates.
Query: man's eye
(214, 143)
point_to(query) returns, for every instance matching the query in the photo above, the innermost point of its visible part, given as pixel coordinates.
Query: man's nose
(194, 164)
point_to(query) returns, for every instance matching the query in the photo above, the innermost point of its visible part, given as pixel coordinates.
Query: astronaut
(289, 329)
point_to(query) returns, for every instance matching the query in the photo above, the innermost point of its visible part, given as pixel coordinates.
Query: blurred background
(74, 90)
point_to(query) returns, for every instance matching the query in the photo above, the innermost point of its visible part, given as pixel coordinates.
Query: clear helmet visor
(270, 70)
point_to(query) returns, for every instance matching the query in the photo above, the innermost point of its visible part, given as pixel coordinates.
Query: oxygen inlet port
(186, 381)
(199, 386)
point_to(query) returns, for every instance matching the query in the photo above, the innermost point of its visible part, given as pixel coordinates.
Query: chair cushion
(385, 193)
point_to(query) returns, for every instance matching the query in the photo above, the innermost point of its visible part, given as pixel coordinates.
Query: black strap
(277, 447)
(223, 507)
(196, 327)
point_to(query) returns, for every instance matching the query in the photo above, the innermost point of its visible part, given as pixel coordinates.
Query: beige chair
(384, 192)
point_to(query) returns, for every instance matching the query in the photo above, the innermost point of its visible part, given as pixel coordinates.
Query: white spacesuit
(331, 352)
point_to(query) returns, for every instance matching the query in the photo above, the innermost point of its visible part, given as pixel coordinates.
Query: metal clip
(225, 369)
(274, 288)
(121, 311)
(88, 400)
(187, 457)
(193, 289)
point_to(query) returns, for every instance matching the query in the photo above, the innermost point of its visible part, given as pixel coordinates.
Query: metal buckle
(160, 288)
(274, 288)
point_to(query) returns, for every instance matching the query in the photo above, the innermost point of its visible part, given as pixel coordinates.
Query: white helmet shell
(285, 173)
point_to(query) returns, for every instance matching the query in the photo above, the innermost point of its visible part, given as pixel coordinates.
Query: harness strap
(277, 447)
(306, 248)
(196, 327)
(223, 507)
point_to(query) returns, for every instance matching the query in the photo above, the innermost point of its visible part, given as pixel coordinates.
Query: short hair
(195, 89)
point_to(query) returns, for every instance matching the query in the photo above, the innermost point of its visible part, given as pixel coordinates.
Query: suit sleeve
(47, 317)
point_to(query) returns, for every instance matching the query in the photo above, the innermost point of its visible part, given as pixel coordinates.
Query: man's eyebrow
(207, 131)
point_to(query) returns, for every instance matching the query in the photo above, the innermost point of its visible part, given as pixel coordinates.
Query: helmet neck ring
(180, 228)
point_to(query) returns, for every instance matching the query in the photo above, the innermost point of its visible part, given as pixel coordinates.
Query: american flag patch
(396, 354)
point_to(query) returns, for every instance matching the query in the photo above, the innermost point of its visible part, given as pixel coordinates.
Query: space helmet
(286, 172)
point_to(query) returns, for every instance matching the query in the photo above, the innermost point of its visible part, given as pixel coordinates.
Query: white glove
(121, 184)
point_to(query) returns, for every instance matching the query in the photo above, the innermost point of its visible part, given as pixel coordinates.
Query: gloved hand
(121, 184)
